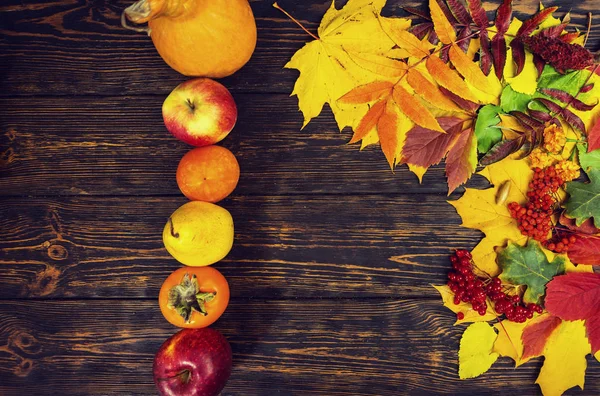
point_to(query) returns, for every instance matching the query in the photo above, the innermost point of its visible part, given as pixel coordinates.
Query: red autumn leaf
(461, 39)
(502, 150)
(553, 31)
(536, 334)
(499, 54)
(526, 120)
(467, 105)
(571, 118)
(518, 53)
(460, 12)
(420, 13)
(422, 29)
(594, 137)
(587, 227)
(462, 159)
(569, 37)
(539, 64)
(503, 17)
(478, 13)
(593, 332)
(566, 97)
(532, 23)
(587, 88)
(585, 250)
(425, 147)
(574, 296)
(447, 12)
(485, 53)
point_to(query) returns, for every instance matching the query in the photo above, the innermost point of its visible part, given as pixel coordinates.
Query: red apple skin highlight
(200, 112)
(193, 362)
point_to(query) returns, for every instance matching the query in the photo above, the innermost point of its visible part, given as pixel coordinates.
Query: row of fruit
(209, 39)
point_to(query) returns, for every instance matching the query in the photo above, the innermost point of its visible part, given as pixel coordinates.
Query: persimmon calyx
(187, 297)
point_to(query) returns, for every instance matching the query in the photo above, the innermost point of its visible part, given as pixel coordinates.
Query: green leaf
(584, 198)
(485, 128)
(511, 100)
(569, 82)
(588, 160)
(529, 266)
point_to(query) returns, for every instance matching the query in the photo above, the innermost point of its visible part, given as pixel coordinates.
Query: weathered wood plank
(376, 346)
(352, 246)
(120, 146)
(78, 47)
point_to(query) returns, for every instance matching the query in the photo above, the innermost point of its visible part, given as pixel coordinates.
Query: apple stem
(294, 20)
(184, 374)
(173, 233)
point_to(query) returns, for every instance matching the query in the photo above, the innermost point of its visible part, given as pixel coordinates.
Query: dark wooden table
(334, 255)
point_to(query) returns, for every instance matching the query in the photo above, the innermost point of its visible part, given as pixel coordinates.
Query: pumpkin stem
(294, 20)
(139, 12)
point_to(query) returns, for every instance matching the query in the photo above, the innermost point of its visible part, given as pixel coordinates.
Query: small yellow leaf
(414, 109)
(430, 92)
(407, 41)
(475, 355)
(441, 24)
(419, 171)
(468, 69)
(379, 64)
(466, 308)
(369, 92)
(565, 363)
(509, 341)
(448, 78)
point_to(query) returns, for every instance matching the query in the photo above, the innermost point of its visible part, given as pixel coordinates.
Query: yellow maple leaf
(335, 63)
(565, 359)
(479, 210)
(475, 355)
(509, 341)
(470, 314)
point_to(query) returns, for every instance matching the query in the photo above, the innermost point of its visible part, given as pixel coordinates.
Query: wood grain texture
(78, 47)
(348, 347)
(308, 246)
(120, 146)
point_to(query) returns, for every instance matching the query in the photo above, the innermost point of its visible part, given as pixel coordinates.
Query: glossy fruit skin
(209, 280)
(199, 233)
(208, 174)
(204, 353)
(200, 112)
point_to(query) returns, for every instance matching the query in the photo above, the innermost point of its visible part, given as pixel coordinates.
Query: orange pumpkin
(210, 38)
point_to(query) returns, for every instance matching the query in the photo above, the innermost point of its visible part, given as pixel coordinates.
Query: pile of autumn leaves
(418, 92)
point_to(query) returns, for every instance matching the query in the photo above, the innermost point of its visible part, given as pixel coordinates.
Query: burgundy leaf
(574, 296)
(593, 332)
(478, 14)
(420, 13)
(536, 333)
(461, 159)
(422, 29)
(485, 53)
(461, 39)
(585, 250)
(433, 37)
(587, 88)
(503, 17)
(445, 54)
(553, 31)
(540, 115)
(532, 23)
(502, 150)
(499, 54)
(539, 64)
(566, 97)
(460, 12)
(561, 55)
(518, 53)
(447, 12)
(572, 119)
(587, 227)
(467, 105)
(593, 137)
(425, 147)
(526, 120)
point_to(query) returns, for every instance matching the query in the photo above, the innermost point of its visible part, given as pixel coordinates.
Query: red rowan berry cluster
(560, 244)
(469, 288)
(535, 217)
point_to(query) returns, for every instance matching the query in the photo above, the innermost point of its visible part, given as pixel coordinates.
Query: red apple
(193, 362)
(200, 112)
